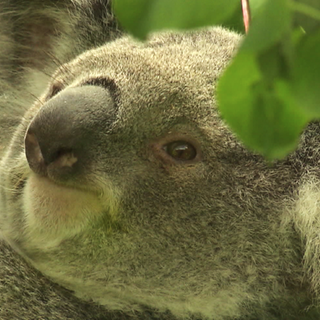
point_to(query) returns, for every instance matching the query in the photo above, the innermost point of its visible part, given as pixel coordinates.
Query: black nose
(61, 160)
(60, 137)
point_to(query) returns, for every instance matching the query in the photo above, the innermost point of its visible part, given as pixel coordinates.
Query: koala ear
(305, 217)
(39, 32)
(35, 34)
(37, 37)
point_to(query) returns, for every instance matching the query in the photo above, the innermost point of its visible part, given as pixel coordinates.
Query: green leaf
(263, 114)
(271, 22)
(307, 14)
(255, 94)
(142, 16)
(235, 22)
(306, 71)
(256, 6)
(234, 93)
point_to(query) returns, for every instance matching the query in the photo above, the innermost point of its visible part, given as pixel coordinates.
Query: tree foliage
(271, 90)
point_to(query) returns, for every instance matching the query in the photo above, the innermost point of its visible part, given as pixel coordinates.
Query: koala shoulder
(25, 294)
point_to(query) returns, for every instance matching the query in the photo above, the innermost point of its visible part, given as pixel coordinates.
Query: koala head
(123, 184)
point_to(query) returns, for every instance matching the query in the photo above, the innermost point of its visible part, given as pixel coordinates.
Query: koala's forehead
(171, 71)
(166, 61)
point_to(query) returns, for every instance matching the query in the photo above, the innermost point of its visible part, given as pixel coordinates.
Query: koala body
(124, 195)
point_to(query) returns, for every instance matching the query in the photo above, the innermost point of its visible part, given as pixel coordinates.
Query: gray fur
(110, 216)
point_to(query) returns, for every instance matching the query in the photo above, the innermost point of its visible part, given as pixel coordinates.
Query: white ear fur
(305, 215)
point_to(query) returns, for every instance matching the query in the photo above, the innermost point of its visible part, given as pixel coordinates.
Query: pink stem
(246, 14)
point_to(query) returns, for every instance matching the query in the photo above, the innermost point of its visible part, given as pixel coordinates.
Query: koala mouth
(51, 207)
(53, 196)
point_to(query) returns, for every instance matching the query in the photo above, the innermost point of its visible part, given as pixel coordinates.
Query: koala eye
(181, 150)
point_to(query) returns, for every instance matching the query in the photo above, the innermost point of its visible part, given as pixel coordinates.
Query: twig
(246, 14)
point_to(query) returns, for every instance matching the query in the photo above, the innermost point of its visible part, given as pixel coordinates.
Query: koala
(125, 195)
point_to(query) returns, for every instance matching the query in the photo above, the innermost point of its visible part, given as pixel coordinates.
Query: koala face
(124, 185)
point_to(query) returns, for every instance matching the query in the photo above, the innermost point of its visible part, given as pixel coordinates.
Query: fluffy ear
(36, 37)
(35, 32)
(306, 218)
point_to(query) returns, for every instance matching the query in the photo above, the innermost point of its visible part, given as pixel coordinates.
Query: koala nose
(65, 128)
(41, 159)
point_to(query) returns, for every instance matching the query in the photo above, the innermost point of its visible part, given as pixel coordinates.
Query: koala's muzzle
(60, 137)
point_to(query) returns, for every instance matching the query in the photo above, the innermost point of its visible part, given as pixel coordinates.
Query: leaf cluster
(271, 90)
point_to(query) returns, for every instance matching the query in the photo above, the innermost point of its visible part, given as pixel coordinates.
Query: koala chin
(124, 195)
